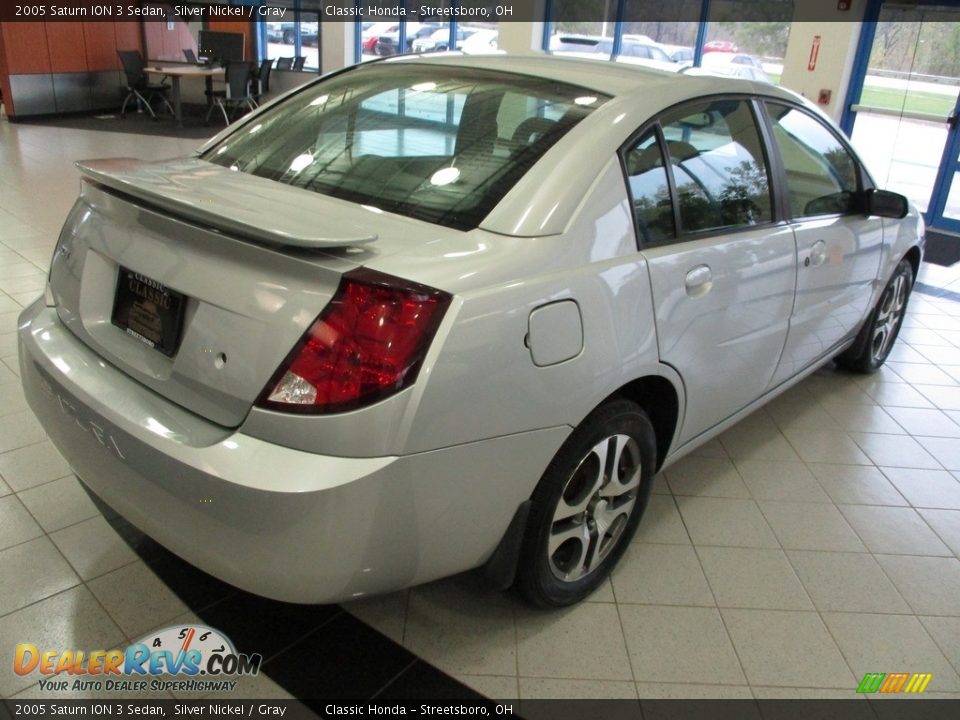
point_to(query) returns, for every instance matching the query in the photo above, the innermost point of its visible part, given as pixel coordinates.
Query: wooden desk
(178, 72)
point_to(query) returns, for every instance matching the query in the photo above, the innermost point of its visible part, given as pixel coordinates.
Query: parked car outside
(286, 33)
(680, 54)
(739, 65)
(457, 314)
(369, 35)
(439, 41)
(275, 32)
(389, 43)
(720, 46)
(634, 49)
(483, 40)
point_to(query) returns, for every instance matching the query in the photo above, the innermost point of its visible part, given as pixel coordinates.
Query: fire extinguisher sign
(814, 53)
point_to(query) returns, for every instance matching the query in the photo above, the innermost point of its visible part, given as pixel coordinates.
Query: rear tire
(879, 333)
(587, 506)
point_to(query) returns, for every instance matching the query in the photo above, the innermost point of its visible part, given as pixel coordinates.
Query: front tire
(587, 505)
(879, 333)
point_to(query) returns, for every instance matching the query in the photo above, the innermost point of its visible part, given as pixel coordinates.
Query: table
(177, 73)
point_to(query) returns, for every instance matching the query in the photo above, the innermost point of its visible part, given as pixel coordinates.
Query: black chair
(237, 92)
(299, 62)
(262, 81)
(284, 63)
(190, 55)
(138, 83)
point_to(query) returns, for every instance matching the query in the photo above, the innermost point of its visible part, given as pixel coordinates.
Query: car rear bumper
(273, 520)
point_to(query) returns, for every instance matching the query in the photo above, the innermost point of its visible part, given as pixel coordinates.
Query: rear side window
(718, 165)
(649, 190)
(822, 176)
(438, 143)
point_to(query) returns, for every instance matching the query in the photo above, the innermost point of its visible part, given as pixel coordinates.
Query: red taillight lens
(367, 344)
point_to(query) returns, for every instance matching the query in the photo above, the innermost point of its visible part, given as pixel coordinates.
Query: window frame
(865, 181)
(771, 161)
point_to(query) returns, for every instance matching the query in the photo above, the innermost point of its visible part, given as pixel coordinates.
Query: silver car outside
(574, 359)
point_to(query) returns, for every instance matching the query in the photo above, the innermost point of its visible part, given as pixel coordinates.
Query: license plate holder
(148, 310)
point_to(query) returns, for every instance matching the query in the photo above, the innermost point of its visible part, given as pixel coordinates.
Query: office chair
(138, 83)
(299, 62)
(237, 91)
(191, 56)
(262, 81)
(285, 63)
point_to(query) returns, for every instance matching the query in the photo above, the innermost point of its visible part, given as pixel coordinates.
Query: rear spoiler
(235, 202)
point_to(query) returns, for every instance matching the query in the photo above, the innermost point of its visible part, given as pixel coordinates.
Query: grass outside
(917, 101)
(898, 100)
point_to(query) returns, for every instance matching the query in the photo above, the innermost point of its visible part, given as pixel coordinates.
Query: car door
(722, 268)
(838, 246)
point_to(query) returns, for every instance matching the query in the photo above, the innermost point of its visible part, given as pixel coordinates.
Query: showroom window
(713, 34)
(380, 35)
(296, 35)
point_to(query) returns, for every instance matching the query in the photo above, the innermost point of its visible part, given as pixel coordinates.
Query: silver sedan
(440, 313)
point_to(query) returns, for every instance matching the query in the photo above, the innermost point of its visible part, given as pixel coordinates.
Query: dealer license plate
(149, 311)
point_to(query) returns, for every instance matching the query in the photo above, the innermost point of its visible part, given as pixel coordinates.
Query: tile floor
(813, 542)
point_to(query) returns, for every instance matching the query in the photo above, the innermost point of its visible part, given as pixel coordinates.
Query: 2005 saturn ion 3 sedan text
(433, 314)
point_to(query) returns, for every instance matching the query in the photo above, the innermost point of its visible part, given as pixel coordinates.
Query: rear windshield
(438, 143)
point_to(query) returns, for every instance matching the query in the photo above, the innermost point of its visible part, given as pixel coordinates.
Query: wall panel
(101, 44)
(65, 43)
(129, 35)
(26, 48)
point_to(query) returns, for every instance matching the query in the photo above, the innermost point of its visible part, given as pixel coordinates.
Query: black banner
(415, 10)
(872, 708)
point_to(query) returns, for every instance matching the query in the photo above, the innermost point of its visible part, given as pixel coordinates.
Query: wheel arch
(914, 256)
(661, 401)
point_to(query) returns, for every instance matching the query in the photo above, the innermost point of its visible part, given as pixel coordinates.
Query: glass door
(944, 210)
(902, 126)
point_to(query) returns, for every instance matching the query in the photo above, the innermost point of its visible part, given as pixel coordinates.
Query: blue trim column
(618, 28)
(861, 63)
(949, 165)
(547, 24)
(701, 32)
(357, 33)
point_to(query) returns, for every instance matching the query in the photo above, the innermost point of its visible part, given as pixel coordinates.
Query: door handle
(818, 254)
(952, 119)
(699, 281)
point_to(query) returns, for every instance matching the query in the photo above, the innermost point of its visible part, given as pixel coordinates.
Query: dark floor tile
(343, 659)
(256, 624)
(422, 681)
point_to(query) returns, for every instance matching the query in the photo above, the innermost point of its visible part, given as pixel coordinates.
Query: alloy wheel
(889, 317)
(594, 508)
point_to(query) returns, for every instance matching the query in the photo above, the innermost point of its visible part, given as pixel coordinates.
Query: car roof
(614, 79)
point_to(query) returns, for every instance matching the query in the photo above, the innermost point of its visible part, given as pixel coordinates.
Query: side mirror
(887, 204)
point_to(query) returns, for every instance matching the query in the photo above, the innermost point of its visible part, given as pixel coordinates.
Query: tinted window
(822, 177)
(442, 144)
(649, 190)
(718, 165)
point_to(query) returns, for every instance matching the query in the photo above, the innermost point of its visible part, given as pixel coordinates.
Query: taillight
(368, 343)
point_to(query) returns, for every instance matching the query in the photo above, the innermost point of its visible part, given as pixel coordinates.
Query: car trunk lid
(189, 228)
